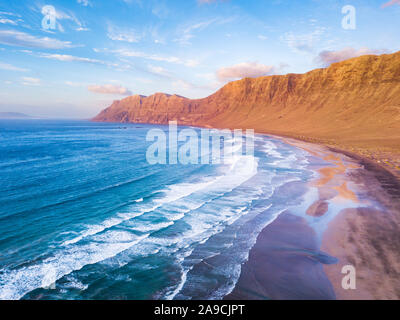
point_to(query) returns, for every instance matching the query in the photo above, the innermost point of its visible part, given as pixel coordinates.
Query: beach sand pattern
(355, 222)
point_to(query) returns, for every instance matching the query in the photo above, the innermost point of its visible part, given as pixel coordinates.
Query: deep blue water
(84, 216)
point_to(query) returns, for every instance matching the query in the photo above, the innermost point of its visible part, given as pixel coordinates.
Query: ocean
(83, 215)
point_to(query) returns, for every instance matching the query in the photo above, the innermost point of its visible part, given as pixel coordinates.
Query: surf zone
(189, 146)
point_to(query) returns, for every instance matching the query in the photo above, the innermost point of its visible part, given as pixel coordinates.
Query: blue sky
(102, 50)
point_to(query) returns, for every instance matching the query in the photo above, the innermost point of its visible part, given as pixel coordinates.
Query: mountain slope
(352, 103)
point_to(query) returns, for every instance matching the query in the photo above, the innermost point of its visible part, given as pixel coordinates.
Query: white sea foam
(75, 284)
(242, 168)
(184, 271)
(109, 223)
(204, 226)
(271, 150)
(16, 283)
(103, 243)
(152, 227)
(295, 160)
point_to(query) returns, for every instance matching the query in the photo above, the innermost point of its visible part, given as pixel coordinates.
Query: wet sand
(353, 218)
(369, 239)
(285, 263)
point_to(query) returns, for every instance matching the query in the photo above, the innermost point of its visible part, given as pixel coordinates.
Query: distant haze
(13, 115)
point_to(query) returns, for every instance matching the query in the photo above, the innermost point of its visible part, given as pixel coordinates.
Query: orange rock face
(355, 101)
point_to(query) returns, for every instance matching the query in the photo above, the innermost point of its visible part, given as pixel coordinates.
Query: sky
(72, 58)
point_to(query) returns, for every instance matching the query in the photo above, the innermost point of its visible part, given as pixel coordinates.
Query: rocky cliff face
(354, 100)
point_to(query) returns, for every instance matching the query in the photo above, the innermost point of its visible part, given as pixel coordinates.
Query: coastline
(368, 153)
(365, 235)
(355, 221)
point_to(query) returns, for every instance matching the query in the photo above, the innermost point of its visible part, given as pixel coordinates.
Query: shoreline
(363, 232)
(373, 158)
(386, 160)
(373, 181)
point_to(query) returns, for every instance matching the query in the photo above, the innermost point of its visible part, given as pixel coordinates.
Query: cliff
(354, 103)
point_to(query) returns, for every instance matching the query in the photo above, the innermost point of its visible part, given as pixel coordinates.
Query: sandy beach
(346, 116)
(350, 217)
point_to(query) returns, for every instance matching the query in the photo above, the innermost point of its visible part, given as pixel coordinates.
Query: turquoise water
(84, 216)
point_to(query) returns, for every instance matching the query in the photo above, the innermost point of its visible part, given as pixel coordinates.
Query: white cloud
(328, 57)
(191, 63)
(22, 39)
(160, 10)
(70, 58)
(61, 15)
(303, 42)
(206, 1)
(119, 34)
(6, 66)
(391, 3)
(74, 84)
(158, 70)
(154, 57)
(8, 21)
(109, 89)
(85, 3)
(243, 70)
(4, 13)
(206, 76)
(28, 81)
(67, 57)
(188, 32)
(145, 80)
(182, 84)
